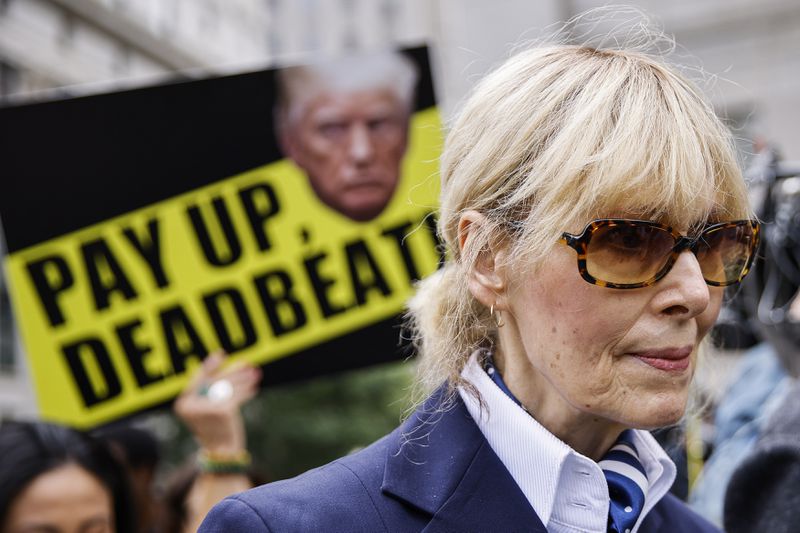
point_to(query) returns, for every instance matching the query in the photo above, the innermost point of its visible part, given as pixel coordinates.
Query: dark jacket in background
(764, 492)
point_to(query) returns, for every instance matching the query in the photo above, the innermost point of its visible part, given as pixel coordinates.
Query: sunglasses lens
(628, 253)
(724, 253)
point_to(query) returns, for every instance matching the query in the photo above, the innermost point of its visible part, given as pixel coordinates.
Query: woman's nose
(684, 290)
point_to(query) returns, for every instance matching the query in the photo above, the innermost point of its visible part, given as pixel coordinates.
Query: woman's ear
(487, 277)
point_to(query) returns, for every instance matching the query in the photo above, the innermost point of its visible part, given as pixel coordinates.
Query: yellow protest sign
(115, 313)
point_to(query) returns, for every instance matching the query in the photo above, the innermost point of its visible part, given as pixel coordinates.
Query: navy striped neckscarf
(626, 477)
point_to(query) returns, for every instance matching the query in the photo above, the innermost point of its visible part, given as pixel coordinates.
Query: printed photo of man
(345, 123)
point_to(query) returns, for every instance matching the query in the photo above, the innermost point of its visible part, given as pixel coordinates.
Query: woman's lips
(668, 359)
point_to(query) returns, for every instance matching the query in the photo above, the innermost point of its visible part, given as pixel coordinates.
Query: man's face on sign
(350, 145)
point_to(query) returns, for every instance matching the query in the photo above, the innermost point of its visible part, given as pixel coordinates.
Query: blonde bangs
(673, 160)
(633, 140)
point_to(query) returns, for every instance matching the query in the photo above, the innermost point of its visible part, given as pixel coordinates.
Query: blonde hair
(557, 135)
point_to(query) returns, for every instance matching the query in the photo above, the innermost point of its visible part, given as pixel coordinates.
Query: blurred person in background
(59, 480)
(138, 450)
(758, 397)
(593, 211)
(181, 511)
(763, 494)
(345, 122)
(210, 406)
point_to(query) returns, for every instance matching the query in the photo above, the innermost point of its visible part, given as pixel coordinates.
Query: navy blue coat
(434, 473)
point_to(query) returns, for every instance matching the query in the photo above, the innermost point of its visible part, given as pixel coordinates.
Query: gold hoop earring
(498, 320)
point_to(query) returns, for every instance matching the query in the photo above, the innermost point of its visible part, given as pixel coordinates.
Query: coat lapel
(440, 463)
(654, 521)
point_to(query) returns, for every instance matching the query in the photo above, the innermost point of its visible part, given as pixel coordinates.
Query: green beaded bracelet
(222, 463)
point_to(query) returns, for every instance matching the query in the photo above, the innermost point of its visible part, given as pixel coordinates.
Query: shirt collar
(543, 468)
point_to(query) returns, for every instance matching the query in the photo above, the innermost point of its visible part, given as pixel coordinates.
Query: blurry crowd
(56, 479)
(749, 481)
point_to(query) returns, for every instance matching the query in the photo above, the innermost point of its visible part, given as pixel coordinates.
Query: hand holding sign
(216, 420)
(210, 406)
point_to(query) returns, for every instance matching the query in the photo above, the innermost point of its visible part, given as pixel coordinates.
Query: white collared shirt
(567, 490)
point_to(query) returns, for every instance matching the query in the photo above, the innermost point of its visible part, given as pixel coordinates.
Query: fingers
(242, 376)
(211, 365)
(244, 382)
(234, 367)
(214, 361)
(248, 387)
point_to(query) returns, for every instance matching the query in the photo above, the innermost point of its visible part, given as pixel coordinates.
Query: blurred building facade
(53, 48)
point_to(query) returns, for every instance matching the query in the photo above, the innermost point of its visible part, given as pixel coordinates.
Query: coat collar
(440, 463)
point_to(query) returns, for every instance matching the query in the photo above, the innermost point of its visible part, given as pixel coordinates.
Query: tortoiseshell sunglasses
(628, 254)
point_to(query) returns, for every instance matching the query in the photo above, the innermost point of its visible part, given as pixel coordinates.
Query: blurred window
(9, 80)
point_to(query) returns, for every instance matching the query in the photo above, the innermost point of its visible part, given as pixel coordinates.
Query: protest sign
(148, 227)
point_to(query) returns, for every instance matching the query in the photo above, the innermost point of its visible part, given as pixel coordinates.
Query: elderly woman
(593, 212)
